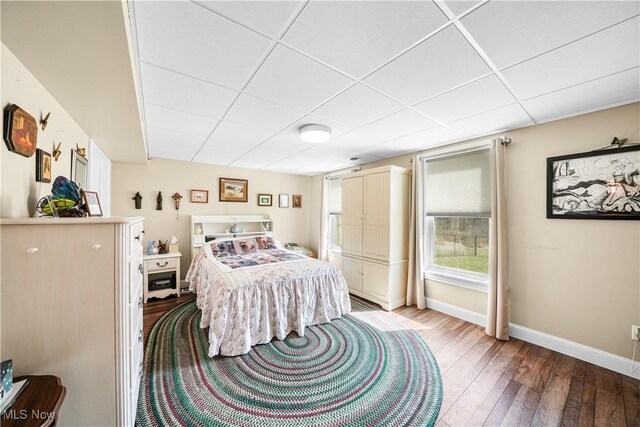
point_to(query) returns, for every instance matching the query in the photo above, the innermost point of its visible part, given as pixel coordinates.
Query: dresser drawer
(136, 237)
(163, 264)
(136, 332)
(136, 277)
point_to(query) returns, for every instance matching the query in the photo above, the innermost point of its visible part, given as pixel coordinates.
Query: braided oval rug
(362, 369)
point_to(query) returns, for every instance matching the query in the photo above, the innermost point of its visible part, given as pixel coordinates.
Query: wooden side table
(38, 404)
(160, 270)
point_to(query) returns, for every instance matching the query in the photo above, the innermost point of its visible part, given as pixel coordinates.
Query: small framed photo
(233, 190)
(265, 199)
(43, 166)
(92, 203)
(297, 200)
(283, 201)
(199, 196)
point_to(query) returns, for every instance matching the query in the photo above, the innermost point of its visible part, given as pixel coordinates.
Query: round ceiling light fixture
(315, 133)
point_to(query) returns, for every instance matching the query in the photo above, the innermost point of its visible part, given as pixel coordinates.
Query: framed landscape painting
(603, 184)
(265, 199)
(233, 190)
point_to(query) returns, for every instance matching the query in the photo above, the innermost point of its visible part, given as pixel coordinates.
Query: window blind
(459, 185)
(335, 195)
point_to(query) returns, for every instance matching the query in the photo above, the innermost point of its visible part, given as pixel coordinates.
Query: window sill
(451, 278)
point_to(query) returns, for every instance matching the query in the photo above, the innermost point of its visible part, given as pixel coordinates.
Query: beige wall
(574, 279)
(170, 176)
(20, 191)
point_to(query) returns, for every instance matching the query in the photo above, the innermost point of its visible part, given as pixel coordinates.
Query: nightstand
(161, 275)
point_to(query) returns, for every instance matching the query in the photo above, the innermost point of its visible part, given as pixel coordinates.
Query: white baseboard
(601, 358)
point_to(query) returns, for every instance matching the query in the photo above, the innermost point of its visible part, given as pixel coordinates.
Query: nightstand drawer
(163, 264)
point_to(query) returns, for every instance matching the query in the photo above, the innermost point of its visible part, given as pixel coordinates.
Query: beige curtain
(323, 251)
(498, 301)
(415, 280)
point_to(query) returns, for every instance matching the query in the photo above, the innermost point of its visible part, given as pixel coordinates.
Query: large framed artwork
(20, 131)
(233, 190)
(603, 184)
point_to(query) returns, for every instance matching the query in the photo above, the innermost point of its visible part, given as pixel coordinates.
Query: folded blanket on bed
(234, 254)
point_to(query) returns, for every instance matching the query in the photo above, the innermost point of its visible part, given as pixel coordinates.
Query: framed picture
(297, 200)
(92, 203)
(601, 184)
(43, 166)
(199, 196)
(265, 199)
(78, 169)
(283, 201)
(20, 131)
(233, 190)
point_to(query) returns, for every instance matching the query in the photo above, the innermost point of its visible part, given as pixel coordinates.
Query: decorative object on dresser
(6, 380)
(151, 248)
(176, 203)
(44, 121)
(79, 169)
(283, 200)
(162, 247)
(161, 275)
(65, 200)
(43, 166)
(138, 200)
(205, 228)
(600, 184)
(199, 196)
(56, 150)
(20, 131)
(375, 223)
(92, 203)
(159, 201)
(265, 199)
(297, 200)
(233, 190)
(91, 336)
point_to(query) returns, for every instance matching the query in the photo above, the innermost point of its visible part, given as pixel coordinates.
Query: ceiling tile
(415, 142)
(498, 120)
(398, 124)
(163, 137)
(512, 31)
(288, 78)
(167, 118)
(260, 157)
(261, 114)
(481, 95)
(331, 150)
(216, 158)
(596, 94)
(443, 61)
(169, 89)
(356, 37)
(321, 167)
(266, 17)
(185, 37)
(460, 6)
(171, 151)
(358, 105)
(610, 51)
(233, 134)
(289, 164)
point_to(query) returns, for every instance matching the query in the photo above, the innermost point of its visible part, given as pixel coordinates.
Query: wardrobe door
(376, 216)
(352, 216)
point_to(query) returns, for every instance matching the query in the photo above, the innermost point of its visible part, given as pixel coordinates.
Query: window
(335, 214)
(458, 209)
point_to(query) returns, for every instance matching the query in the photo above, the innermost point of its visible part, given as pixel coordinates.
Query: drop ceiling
(231, 82)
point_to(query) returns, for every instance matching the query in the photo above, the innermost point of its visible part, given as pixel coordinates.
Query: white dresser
(72, 307)
(375, 232)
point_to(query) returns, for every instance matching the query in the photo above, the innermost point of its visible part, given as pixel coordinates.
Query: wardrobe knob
(32, 250)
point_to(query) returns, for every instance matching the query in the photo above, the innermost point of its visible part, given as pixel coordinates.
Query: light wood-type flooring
(511, 383)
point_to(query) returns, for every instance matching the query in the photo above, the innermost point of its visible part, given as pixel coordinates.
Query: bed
(251, 290)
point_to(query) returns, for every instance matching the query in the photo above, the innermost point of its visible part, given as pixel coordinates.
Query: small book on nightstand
(11, 397)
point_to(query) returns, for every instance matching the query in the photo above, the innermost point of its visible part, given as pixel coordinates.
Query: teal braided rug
(363, 369)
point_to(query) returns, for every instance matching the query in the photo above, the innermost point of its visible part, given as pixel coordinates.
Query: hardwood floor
(491, 382)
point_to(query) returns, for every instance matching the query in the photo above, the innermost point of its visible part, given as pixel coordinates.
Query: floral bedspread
(246, 305)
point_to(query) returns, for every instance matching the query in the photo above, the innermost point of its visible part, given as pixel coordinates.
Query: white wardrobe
(375, 230)
(72, 307)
